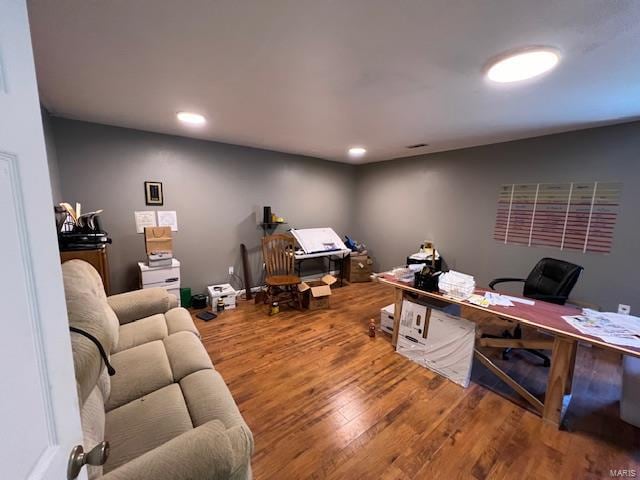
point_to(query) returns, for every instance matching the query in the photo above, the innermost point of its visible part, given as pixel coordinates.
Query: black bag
(426, 279)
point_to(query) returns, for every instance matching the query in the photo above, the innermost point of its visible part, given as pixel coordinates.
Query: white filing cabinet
(166, 277)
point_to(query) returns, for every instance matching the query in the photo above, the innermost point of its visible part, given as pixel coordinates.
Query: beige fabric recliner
(166, 413)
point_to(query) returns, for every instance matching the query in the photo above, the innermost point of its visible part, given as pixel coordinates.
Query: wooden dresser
(96, 257)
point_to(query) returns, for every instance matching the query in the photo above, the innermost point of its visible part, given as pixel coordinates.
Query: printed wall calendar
(575, 216)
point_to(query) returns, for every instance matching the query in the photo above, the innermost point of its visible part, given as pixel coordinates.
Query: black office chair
(551, 280)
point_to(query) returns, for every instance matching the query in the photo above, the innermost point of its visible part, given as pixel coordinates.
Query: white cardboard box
(224, 291)
(386, 318)
(445, 348)
(412, 322)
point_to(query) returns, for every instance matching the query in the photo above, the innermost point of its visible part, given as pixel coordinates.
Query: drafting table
(336, 256)
(546, 317)
(320, 243)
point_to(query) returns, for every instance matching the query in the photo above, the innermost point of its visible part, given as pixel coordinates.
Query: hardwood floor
(325, 401)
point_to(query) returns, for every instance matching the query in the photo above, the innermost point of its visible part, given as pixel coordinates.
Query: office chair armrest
(503, 280)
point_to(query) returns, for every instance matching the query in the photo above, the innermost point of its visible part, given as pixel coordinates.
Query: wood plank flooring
(325, 401)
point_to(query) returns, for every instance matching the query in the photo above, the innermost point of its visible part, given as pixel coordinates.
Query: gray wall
(451, 198)
(52, 157)
(215, 189)
(393, 206)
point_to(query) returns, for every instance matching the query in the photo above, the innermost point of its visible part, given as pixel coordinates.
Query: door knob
(96, 456)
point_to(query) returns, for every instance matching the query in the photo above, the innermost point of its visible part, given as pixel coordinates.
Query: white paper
(145, 219)
(607, 326)
(519, 300)
(479, 300)
(313, 240)
(631, 341)
(425, 255)
(629, 321)
(168, 218)
(497, 299)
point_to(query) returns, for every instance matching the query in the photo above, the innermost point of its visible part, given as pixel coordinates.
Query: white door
(39, 419)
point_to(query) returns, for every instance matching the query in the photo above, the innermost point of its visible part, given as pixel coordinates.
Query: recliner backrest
(552, 277)
(89, 311)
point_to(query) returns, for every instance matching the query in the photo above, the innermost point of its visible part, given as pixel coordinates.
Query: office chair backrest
(552, 278)
(278, 252)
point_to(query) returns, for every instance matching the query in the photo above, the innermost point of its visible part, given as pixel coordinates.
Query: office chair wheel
(546, 363)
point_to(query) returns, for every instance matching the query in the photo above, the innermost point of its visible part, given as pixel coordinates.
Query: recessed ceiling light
(191, 118)
(357, 152)
(522, 64)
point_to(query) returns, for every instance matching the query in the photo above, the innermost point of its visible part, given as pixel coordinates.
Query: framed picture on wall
(153, 193)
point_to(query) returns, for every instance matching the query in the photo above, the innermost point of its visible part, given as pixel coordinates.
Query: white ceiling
(315, 77)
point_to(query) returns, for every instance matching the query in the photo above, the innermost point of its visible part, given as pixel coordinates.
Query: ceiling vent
(417, 145)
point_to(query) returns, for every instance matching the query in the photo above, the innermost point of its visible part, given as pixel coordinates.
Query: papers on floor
(610, 327)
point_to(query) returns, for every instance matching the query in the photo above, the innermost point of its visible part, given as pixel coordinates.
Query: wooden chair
(278, 252)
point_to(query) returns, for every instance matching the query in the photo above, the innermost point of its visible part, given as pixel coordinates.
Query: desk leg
(558, 393)
(397, 312)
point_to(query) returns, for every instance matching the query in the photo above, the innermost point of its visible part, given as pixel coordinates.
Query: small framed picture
(153, 193)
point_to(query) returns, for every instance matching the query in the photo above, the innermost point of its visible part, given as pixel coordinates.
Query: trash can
(185, 297)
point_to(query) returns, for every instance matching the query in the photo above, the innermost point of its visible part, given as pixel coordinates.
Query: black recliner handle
(103, 354)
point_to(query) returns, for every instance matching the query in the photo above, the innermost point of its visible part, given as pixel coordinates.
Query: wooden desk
(544, 316)
(97, 257)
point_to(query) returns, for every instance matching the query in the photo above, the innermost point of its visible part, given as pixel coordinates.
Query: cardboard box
(316, 293)
(224, 291)
(414, 322)
(386, 318)
(358, 268)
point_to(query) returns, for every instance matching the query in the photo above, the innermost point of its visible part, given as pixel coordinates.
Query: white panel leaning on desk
(546, 317)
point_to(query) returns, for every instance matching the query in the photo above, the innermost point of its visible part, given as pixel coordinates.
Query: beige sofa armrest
(206, 452)
(138, 304)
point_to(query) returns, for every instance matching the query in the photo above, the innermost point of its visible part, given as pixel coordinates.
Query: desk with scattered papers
(546, 317)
